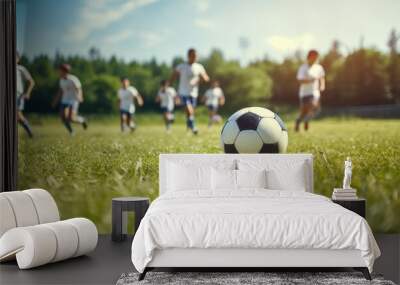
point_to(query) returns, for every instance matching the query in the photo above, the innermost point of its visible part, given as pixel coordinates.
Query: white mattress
(252, 219)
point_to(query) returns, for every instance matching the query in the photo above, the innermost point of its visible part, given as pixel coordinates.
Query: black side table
(355, 205)
(120, 207)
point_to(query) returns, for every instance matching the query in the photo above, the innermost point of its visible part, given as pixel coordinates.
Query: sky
(244, 30)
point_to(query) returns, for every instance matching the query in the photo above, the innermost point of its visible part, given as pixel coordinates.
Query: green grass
(85, 171)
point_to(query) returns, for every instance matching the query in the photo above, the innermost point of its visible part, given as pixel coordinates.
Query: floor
(104, 266)
(110, 260)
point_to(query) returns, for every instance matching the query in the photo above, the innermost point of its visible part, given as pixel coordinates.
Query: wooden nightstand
(355, 205)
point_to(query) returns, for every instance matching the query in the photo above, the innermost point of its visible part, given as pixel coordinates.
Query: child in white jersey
(127, 95)
(23, 93)
(311, 76)
(69, 96)
(190, 74)
(167, 98)
(213, 99)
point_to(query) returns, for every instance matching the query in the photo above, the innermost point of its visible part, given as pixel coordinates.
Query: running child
(126, 101)
(213, 99)
(311, 76)
(71, 96)
(167, 98)
(190, 74)
(23, 93)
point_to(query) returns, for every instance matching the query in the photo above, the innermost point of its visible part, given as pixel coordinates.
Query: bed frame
(245, 259)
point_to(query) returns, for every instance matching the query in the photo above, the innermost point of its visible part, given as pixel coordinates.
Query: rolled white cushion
(87, 235)
(23, 208)
(33, 246)
(7, 218)
(67, 240)
(37, 245)
(46, 207)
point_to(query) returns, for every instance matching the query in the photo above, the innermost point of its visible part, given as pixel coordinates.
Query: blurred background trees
(393, 67)
(363, 76)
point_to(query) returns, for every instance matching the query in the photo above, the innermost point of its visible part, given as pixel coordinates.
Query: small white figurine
(347, 174)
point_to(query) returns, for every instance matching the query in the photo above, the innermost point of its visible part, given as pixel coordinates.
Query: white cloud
(202, 5)
(117, 37)
(143, 38)
(285, 44)
(150, 39)
(203, 23)
(97, 15)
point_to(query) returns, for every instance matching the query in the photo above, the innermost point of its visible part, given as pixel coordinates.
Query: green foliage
(243, 86)
(283, 75)
(393, 70)
(101, 94)
(86, 171)
(363, 77)
(46, 83)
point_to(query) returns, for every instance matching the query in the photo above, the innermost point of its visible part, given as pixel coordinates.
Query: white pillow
(221, 163)
(295, 180)
(185, 178)
(223, 179)
(251, 178)
(281, 174)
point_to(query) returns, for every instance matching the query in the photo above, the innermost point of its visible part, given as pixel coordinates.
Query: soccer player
(23, 94)
(71, 96)
(213, 98)
(126, 101)
(190, 74)
(167, 98)
(311, 76)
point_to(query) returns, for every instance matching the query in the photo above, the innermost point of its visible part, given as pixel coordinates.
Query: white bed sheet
(251, 218)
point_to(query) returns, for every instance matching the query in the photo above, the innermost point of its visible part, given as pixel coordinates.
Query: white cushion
(23, 208)
(87, 233)
(167, 178)
(40, 244)
(188, 177)
(67, 240)
(281, 174)
(183, 174)
(278, 180)
(223, 179)
(26, 208)
(33, 244)
(46, 207)
(251, 178)
(219, 163)
(7, 218)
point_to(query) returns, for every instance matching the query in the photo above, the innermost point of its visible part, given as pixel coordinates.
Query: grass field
(85, 171)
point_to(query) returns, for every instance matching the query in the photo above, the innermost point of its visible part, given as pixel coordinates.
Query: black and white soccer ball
(254, 130)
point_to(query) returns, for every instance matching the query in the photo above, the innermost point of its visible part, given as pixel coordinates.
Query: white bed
(248, 226)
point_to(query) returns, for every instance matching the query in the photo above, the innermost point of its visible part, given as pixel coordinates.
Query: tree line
(363, 76)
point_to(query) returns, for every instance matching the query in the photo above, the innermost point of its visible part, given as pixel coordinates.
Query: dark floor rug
(243, 278)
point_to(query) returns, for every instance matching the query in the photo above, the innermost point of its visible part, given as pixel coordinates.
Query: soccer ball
(254, 130)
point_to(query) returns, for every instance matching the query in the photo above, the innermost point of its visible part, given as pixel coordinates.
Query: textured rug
(243, 278)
